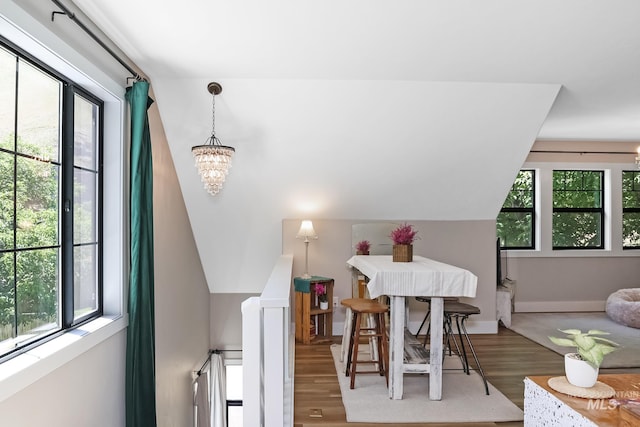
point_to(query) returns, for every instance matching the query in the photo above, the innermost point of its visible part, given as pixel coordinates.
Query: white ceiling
(404, 109)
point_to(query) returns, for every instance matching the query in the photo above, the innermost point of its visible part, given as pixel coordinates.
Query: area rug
(463, 398)
(539, 326)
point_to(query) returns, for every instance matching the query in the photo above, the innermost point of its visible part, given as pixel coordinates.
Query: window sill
(25, 369)
(570, 253)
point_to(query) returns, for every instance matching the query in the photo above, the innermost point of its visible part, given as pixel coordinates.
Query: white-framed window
(578, 209)
(631, 209)
(598, 214)
(50, 211)
(44, 46)
(516, 221)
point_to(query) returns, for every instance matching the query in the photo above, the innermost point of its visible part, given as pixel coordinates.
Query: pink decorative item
(321, 291)
(362, 247)
(403, 235)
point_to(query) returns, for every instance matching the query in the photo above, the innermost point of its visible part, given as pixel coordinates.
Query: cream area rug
(463, 398)
(539, 326)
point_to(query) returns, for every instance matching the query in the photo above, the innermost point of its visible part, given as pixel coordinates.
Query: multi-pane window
(578, 209)
(630, 209)
(515, 222)
(50, 142)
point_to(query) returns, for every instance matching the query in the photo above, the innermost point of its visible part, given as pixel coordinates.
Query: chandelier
(213, 159)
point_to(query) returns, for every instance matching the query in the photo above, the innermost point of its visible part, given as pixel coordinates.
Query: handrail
(268, 351)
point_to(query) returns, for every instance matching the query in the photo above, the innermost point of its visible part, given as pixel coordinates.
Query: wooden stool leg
(351, 338)
(346, 336)
(380, 352)
(354, 361)
(384, 357)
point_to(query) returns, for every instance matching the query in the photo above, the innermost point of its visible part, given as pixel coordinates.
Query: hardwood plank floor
(506, 359)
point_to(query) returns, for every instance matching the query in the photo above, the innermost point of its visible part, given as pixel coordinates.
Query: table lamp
(306, 231)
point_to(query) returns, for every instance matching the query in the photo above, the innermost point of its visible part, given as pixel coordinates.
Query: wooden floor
(506, 359)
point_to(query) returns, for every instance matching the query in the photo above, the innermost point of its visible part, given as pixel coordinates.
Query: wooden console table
(308, 310)
(545, 406)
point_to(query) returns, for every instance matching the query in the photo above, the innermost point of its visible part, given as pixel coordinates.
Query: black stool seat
(456, 307)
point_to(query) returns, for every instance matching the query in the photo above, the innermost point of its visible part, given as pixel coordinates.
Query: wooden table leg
(396, 347)
(435, 357)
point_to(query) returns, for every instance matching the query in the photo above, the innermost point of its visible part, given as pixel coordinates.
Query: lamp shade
(306, 230)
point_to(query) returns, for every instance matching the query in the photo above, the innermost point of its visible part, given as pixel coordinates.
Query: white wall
(570, 284)
(181, 292)
(342, 149)
(86, 392)
(226, 321)
(89, 390)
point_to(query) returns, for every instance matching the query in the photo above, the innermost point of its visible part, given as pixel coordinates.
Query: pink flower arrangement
(321, 291)
(363, 246)
(403, 235)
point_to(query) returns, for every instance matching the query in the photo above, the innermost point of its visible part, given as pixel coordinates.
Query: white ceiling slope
(404, 109)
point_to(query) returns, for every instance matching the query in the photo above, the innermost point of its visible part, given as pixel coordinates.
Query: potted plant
(581, 368)
(403, 238)
(362, 247)
(321, 291)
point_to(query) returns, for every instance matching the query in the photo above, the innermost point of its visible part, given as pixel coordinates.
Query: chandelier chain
(213, 159)
(213, 119)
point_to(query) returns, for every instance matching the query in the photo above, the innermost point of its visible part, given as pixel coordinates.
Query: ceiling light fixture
(213, 159)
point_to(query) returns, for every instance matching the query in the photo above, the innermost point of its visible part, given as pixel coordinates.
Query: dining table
(421, 277)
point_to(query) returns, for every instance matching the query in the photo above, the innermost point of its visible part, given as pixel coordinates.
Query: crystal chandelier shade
(213, 159)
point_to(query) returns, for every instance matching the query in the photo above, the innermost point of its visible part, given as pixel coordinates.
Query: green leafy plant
(590, 345)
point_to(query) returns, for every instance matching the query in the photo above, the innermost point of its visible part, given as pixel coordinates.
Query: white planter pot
(579, 372)
(324, 305)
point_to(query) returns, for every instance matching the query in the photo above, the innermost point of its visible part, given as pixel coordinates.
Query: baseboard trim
(558, 306)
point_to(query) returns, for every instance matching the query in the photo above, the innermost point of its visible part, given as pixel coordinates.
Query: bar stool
(360, 307)
(460, 312)
(426, 316)
(346, 332)
(348, 324)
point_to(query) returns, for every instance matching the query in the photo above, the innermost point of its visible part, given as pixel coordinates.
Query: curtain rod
(214, 351)
(582, 152)
(72, 16)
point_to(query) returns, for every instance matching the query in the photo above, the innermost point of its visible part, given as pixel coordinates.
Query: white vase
(324, 305)
(579, 372)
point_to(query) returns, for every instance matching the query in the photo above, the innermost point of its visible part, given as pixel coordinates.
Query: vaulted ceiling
(371, 109)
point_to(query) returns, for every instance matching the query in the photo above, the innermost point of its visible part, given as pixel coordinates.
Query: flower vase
(402, 253)
(324, 305)
(362, 252)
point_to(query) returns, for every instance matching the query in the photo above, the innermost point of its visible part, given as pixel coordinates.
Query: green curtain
(140, 375)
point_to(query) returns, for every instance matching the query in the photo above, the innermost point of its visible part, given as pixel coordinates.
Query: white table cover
(422, 277)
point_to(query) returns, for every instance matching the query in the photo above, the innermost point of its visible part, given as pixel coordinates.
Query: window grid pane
(515, 222)
(514, 229)
(577, 230)
(578, 213)
(577, 189)
(631, 209)
(36, 271)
